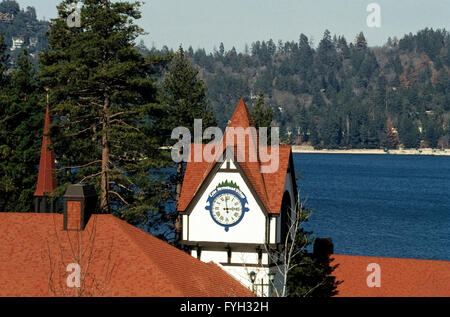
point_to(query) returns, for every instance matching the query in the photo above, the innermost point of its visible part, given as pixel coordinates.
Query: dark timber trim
(249, 265)
(291, 170)
(220, 246)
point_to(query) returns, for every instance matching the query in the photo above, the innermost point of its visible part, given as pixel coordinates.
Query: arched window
(286, 206)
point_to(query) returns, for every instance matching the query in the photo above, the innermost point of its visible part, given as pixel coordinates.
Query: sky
(206, 23)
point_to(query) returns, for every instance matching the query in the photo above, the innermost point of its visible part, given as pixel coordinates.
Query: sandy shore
(427, 151)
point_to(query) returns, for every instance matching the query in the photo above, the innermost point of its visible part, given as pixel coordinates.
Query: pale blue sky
(206, 23)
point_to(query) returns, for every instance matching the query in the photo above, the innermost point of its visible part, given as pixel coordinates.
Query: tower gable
(224, 165)
(199, 224)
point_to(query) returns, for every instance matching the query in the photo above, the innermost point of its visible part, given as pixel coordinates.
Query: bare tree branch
(120, 197)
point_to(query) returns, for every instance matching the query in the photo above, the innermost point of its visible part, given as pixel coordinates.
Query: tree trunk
(178, 224)
(104, 205)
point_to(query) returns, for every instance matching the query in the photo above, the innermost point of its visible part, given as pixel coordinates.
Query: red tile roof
(399, 277)
(116, 259)
(268, 186)
(46, 178)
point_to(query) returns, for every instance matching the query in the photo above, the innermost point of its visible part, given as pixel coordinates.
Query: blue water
(378, 205)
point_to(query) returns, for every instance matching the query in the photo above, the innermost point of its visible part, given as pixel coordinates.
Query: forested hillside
(335, 93)
(22, 25)
(340, 94)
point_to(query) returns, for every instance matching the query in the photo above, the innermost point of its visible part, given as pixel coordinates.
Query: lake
(378, 205)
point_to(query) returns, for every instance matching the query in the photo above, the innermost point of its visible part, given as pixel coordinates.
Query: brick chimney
(80, 202)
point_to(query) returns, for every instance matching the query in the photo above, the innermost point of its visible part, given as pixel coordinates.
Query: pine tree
(183, 95)
(103, 100)
(408, 132)
(262, 115)
(432, 131)
(3, 60)
(326, 53)
(360, 42)
(305, 57)
(391, 139)
(331, 132)
(21, 122)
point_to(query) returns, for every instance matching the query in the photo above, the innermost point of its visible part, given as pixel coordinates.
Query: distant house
(17, 42)
(33, 41)
(6, 17)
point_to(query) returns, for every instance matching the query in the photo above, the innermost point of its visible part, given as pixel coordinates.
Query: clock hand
(226, 205)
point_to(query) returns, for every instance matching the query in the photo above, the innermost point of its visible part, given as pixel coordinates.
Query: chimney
(46, 179)
(323, 248)
(80, 202)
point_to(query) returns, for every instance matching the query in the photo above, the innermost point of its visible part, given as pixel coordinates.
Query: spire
(241, 116)
(46, 180)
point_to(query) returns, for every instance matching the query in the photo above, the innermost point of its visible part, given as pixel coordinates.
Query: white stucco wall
(214, 256)
(261, 285)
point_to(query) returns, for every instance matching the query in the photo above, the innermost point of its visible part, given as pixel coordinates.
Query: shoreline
(425, 151)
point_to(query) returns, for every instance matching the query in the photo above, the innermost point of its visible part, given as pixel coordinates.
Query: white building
(17, 42)
(232, 213)
(33, 41)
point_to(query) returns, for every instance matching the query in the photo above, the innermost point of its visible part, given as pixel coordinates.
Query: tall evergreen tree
(261, 114)
(391, 140)
(183, 95)
(331, 132)
(3, 60)
(21, 123)
(103, 99)
(432, 131)
(326, 53)
(408, 132)
(305, 57)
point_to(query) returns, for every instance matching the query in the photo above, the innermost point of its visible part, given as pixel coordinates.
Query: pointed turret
(241, 116)
(46, 179)
(241, 119)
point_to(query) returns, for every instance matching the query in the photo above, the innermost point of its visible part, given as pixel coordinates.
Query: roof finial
(48, 93)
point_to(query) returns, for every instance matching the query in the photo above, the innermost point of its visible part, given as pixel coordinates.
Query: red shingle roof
(399, 277)
(268, 186)
(46, 178)
(116, 259)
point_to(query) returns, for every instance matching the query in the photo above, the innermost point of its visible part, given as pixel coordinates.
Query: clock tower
(233, 210)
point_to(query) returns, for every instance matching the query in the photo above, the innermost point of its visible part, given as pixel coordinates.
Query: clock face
(227, 209)
(227, 205)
